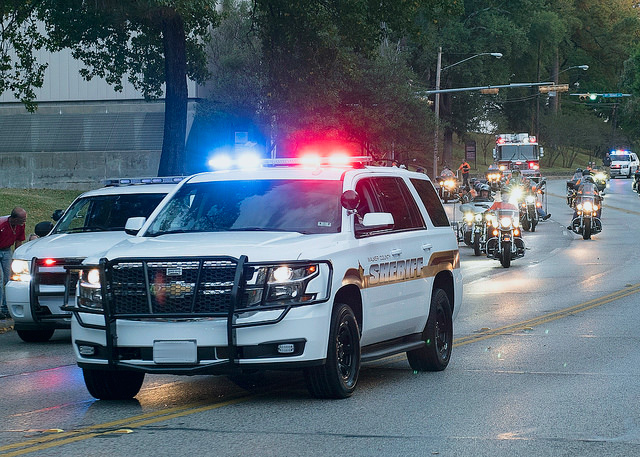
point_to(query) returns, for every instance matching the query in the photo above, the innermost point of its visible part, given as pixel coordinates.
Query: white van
(623, 163)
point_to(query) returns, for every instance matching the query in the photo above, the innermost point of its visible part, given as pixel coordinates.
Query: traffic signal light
(490, 90)
(589, 96)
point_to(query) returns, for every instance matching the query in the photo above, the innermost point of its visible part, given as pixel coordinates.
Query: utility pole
(437, 112)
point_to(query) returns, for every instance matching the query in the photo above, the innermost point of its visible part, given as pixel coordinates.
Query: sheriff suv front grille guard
(42, 275)
(142, 289)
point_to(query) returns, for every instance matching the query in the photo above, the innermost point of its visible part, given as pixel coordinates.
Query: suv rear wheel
(438, 336)
(337, 378)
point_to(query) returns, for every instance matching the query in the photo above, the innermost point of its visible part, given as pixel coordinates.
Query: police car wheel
(35, 336)
(337, 378)
(112, 385)
(438, 336)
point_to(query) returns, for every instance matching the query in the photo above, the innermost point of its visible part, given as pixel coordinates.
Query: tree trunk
(173, 157)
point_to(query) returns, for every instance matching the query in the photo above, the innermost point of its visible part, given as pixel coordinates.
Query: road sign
(615, 95)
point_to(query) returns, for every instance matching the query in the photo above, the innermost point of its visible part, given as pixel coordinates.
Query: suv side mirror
(43, 228)
(374, 221)
(541, 152)
(57, 214)
(350, 200)
(134, 224)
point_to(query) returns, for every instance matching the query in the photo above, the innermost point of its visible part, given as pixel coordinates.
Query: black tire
(466, 237)
(338, 377)
(476, 245)
(438, 336)
(505, 258)
(35, 336)
(586, 230)
(533, 225)
(526, 225)
(113, 385)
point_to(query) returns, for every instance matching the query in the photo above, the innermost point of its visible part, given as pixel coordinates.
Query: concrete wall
(74, 170)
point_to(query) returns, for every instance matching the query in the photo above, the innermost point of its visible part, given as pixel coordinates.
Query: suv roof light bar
(115, 182)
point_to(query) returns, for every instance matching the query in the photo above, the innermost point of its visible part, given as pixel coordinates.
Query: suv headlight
(20, 270)
(90, 289)
(282, 284)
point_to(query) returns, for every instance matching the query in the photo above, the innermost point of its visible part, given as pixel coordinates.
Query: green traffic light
(593, 96)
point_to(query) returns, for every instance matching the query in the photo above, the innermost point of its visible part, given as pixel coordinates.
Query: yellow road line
(117, 426)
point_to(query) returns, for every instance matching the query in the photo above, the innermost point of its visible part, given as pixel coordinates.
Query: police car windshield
(518, 152)
(620, 157)
(305, 206)
(106, 212)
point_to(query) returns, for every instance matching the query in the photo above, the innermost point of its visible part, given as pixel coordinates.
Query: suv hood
(64, 245)
(257, 246)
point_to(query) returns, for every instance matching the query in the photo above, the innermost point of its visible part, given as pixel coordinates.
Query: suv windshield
(620, 157)
(106, 212)
(304, 206)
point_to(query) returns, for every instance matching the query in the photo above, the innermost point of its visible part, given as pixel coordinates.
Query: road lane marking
(117, 426)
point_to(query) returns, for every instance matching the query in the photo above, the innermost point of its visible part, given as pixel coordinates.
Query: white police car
(309, 267)
(623, 163)
(92, 223)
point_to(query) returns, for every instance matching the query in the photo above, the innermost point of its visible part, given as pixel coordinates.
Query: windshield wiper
(263, 229)
(169, 232)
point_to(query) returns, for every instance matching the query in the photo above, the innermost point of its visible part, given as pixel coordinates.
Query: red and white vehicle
(518, 150)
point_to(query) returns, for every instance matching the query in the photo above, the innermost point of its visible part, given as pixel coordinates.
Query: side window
(431, 201)
(368, 202)
(396, 199)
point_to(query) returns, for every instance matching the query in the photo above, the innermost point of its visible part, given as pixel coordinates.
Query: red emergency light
(534, 166)
(500, 140)
(49, 262)
(532, 139)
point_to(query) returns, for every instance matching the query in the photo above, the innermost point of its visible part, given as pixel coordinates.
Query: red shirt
(8, 234)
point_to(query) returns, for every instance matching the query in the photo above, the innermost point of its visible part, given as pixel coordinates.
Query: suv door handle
(395, 252)
(427, 247)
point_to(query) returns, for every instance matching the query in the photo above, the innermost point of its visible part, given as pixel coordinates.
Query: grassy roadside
(39, 203)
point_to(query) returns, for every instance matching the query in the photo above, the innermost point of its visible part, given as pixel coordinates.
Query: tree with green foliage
(150, 42)
(20, 73)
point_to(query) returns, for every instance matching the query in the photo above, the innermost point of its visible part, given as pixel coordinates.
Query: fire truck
(518, 150)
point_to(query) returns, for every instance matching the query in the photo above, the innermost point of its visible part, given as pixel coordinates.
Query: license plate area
(182, 351)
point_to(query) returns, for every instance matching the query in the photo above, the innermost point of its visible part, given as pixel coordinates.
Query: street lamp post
(439, 70)
(556, 79)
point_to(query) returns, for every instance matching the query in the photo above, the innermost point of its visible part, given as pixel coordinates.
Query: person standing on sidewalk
(11, 236)
(465, 167)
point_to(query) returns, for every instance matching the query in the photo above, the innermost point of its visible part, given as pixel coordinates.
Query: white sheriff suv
(317, 268)
(93, 222)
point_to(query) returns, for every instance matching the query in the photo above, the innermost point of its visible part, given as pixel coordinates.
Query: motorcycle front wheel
(505, 256)
(586, 229)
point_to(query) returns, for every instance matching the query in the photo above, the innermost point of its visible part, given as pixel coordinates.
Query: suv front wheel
(337, 378)
(113, 385)
(437, 335)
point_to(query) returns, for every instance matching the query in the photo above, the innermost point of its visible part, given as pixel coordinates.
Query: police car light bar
(150, 180)
(224, 162)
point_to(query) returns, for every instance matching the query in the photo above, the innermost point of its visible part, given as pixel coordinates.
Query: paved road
(546, 362)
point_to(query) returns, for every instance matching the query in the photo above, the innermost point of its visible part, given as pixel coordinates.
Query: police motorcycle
(601, 179)
(526, 200)
(586, 217)
(636, 179)
(477, 218)
(505, 243)
(448, 185)
(494, 177)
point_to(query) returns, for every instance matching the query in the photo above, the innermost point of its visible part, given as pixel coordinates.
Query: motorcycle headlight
(505, 222)
(579, 206)
(20, 270)
(478, 217)
(600, 176)
(450, 184)
(468, 217)
(516, 193)
(90, 289)
(588, 206)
